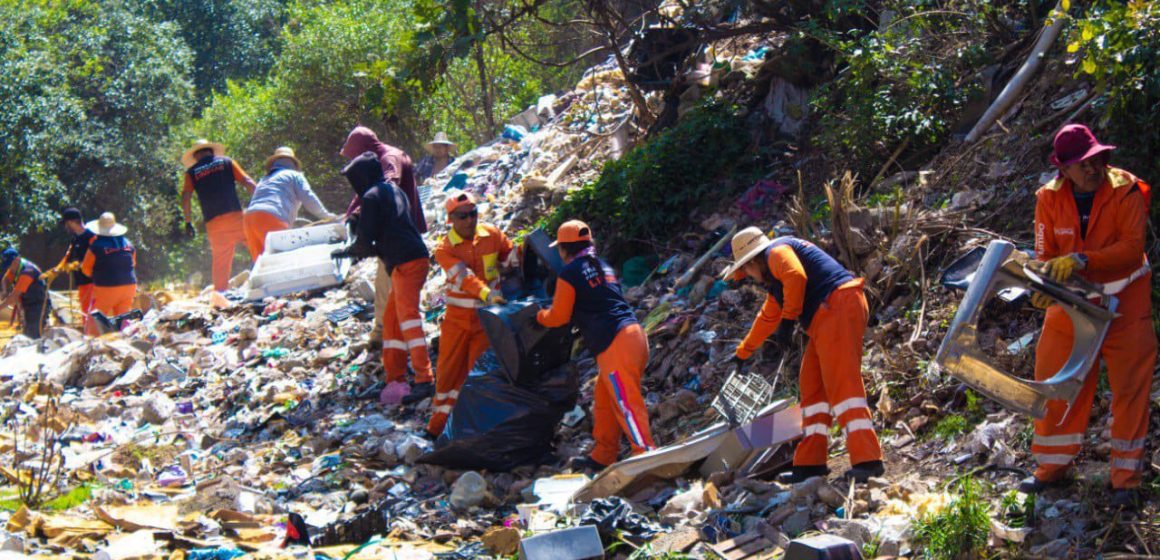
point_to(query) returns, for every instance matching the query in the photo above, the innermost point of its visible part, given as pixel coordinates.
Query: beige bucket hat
(187, 158)
(747, 244)
(440, 138)
(106, 226)
(284, 152)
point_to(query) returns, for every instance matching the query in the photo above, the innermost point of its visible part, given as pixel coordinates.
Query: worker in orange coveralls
(111, 262)
(1091, 221)
(471, 255)
(806, 286)
(29, 289)
(589, 295)
(214, 178)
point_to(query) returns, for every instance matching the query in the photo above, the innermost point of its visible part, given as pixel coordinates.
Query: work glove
(495, 297)
(1061, 268)
(784, 335)
(1041, 300)
(189, 231)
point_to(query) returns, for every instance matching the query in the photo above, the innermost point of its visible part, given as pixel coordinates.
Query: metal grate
(742, 397)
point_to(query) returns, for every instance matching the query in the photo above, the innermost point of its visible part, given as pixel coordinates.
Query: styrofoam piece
(291, 239)
(576, 543)
(307, 268)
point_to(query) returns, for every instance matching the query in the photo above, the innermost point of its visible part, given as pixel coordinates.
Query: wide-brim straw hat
(440, 138)
(283, 152)
(187, 158)
(106, 226)
(747, 244)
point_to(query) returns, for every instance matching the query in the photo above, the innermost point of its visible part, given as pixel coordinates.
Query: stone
(797, 523)
(806, 490)
(501, 541)
(1055, 549)
(100, 374)
(831, 497)
(852, 529)
(158, 408)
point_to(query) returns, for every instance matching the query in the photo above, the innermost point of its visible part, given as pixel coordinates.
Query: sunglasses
(465, 215)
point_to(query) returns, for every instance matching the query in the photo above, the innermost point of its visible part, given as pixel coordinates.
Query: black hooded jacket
(385, 227)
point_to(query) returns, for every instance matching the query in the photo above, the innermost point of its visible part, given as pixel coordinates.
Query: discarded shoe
(1032, 485)
(800, 473)
(419, 392)
(863, 471)
(585, 464)
(1127, 498)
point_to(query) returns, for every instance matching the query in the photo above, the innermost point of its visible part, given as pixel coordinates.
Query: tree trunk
(485, 90)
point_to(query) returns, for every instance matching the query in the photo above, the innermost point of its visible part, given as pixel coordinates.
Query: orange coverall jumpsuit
(472, 267)
(1114, 246)
(830, 379)
(225, 232)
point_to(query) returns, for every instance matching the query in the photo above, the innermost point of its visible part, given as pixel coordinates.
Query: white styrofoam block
(306, 268)
(291, 239)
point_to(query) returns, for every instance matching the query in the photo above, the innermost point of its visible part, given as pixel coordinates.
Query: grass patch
(10, 500)
(951, 426)
(959, 530)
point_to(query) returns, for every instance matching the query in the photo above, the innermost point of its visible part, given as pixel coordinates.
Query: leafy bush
(650, 193)
(904, 84)
(1116, 45)
(959, 530)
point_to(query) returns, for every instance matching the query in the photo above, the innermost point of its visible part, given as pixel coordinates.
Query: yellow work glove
(1061, 268)
(1040, 300)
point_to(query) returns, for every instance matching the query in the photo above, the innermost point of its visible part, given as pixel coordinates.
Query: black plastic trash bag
(525, 349)
(614, 518)
(498, 426)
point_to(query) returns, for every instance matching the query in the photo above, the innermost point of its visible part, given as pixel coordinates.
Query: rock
(158, 408)
(100, 374)
(410, 449)
(851, 529)
(468, 491)
(11, 543)
(877, 483)
(502, 541)
(359, 495)
(831, 497)
(806, 490)
(1055, 549)
(797, 523)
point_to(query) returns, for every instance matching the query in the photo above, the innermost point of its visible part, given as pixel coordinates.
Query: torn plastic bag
(614, 518)
(499, 426)
(525, 349)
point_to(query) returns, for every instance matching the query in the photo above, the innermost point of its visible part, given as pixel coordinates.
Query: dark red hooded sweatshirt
(397, 169)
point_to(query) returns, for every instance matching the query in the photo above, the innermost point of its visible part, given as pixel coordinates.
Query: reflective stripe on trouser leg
(403, 308)
(461, 342)
(813, 449)
(627, 356)
(836, 333)
(1057, 438)
(1130, 354)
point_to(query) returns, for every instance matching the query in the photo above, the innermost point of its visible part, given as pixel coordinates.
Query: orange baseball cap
(572, 231)
(457, 199)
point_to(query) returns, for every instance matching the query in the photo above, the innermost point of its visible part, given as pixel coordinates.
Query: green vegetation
(902, 85)
(951, 426)
(957, 531)
(650, 193)
(1116, 46)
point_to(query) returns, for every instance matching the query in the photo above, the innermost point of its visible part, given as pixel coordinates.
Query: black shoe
(1127, 498)
(863, 471)
(1032, 485)
(419, 391)
(585, 464)
(802, 473)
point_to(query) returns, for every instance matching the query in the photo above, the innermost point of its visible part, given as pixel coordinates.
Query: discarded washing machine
(1005, 269)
